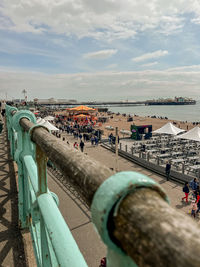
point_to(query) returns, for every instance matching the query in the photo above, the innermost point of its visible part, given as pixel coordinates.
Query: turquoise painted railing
(129, 210)
(38, 209)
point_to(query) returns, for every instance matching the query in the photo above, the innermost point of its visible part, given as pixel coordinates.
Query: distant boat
(170, 101)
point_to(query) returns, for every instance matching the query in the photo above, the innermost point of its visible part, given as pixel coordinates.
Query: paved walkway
(74, 211)
(11, 241)
(77, 217)
(106, 157)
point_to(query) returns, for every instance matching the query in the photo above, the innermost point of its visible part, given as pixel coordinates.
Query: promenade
(13, 250)
(106, 157)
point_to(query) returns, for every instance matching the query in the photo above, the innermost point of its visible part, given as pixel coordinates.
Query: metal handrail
(141, 224)
(53, 242)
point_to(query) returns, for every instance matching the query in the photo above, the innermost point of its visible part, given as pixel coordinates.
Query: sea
(189, 113)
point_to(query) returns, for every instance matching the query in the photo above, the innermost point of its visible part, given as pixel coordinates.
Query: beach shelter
(169, 128)
(49, 118)
(193, 134)
(49, 126)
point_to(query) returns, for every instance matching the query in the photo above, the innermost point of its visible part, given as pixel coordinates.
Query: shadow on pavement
(11, 242)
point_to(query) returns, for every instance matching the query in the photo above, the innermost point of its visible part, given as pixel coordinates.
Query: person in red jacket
(198, 197)
(186, 190)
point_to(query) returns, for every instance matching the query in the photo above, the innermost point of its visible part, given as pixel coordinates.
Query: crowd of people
(82, 133)
(193, 186)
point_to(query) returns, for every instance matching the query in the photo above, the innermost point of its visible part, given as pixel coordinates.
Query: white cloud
(150, 64)
(112, 66)
(147, 56)
(100, 19)
(102, 54)
(100, 85)
(196, 20)
(193, 68)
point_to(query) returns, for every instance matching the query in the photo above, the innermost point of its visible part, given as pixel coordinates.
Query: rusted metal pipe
(150, 231)
(83, 172)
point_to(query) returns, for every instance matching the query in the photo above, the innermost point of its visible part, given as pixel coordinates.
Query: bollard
(132, 150)
(126, 148)
(183, 167)
(120, 146)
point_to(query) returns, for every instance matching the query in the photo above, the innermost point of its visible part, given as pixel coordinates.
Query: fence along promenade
(129, 210)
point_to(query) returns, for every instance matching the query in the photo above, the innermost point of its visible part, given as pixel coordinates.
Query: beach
(121, 122)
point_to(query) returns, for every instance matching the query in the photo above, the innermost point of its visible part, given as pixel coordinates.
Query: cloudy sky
(99, 49)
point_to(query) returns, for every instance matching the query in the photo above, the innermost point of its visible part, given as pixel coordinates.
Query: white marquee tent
(193, 134)
(40, 121)
(169, 128)
(49, 126)
(49, 118)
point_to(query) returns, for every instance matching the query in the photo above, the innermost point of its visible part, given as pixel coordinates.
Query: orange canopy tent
(81, 108)
(82, 116)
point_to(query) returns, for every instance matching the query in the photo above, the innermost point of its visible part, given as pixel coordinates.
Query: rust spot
(47, 255)
(41, 165)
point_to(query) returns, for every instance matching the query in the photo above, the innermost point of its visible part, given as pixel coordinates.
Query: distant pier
(115, 103)
(99, 104)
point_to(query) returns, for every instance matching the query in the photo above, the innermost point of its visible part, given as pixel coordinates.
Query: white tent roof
(169, 128)
(50, 126)
(40, 121)
(49, 118)
(193, 134)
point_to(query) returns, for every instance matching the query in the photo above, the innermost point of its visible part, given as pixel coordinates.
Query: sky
(99, 49)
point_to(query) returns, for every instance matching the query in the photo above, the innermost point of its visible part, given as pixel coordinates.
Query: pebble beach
(121, 122)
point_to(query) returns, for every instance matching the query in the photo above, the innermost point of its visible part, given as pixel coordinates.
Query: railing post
(148, 156)
(24, 147)
(41, 160)
(183, 167)
(11, 131)
(120, 146)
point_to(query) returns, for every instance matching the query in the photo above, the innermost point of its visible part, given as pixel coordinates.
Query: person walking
(194, 186)
(82, 145)
(194, 209)
(186, 190)
(76, 145)
(167, 170)
(197, 197)
(198, 207)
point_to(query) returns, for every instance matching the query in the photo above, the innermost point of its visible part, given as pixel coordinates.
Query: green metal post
(24, 147)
